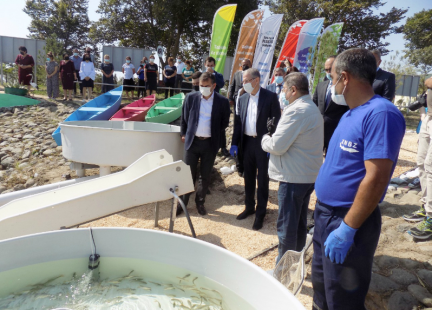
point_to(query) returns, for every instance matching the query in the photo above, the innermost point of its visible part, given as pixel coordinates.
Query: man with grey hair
(276, 87)
(257, 108)
(295, 159)
(385, 82)
(360, 160)
(77, 60)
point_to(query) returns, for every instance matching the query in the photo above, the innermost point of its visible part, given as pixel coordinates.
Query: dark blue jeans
(343, 286)
(292, 219)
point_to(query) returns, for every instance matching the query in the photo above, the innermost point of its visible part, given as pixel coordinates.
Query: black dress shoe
(201, 209)
(245, 214)
(258, 224)
(179, 210)
(225, 152)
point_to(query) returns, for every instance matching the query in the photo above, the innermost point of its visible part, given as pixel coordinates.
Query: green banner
(221, 32)
(328, 44)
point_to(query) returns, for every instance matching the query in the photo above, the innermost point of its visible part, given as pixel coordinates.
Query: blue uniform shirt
(373, 130)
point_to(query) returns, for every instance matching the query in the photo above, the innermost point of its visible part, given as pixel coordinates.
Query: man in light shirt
(205, 115)
(255, 108)
(180, 65)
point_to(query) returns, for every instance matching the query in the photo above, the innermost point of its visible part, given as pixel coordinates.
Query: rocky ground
(402, 272)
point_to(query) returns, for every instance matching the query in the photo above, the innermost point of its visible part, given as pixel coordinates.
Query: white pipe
(104, 170)
(80, 173)
(4, 199)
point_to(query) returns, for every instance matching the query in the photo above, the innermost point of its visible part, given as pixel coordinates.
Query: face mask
(75, 54)
(66, 58)
(106, 60)
(328, 76)
(179, 61)
(196, 88)
(128, 61)
(245, 67)
(151, 60)
(282, 98)
(22, 53)
(338, 99)
(285, 69)
(377, 69)
(210, 68)
(248, 87)
(279, 79)
(48, 59)
(205, 91)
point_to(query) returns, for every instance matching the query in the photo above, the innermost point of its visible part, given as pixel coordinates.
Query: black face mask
(196, 87)
(245, 67)
(66, 58)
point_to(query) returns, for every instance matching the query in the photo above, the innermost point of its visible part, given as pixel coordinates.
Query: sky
(14, 22)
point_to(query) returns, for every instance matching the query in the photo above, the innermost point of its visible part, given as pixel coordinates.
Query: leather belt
(250, 136)
(202, 138)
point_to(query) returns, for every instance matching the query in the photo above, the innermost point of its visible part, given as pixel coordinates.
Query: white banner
(265, 47)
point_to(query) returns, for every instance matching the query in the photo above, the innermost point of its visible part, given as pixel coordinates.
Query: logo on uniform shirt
(348, 146)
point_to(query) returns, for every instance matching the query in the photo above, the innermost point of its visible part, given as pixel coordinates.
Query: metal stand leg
(80, 173)
(104, 170)
(174, 209)
(156, 224)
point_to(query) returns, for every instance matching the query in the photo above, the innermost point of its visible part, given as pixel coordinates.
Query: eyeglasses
(328, 70)
(247, 81)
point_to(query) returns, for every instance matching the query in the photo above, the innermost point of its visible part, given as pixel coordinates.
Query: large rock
(28, 137)
(381, 284)
(426, 276)
(402, 301)
(29, 183)
(49, 152)
(421, 294)
(410, 263)
(26, 154)
(8, 162)
(403, 277)
(2, 189)
(387, 262)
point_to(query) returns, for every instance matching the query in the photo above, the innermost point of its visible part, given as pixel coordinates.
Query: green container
(166, 111)
(16, 91)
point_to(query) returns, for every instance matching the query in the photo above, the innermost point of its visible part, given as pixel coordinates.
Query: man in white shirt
(180, 65)
(205, 115)
(255, 108)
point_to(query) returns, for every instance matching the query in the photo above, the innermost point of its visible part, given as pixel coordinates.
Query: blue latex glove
(339, 242)
(234, 150)
(268, 155)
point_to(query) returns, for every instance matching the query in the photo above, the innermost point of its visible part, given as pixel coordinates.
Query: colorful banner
(328, 44)
(306, 44)
(290, 44)
(221, 32)
(265, 47)
(247, 40)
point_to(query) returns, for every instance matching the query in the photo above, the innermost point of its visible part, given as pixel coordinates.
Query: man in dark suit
(385, 82)
(205, 115)
(255, 108)
(237, 82)
(276, 87)
(330, 111)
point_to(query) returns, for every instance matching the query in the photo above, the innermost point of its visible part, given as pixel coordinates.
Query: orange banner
(247, 40)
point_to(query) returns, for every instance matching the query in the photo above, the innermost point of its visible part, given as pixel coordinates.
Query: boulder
(426, 276)
(402, 301)
(381, 284)
(403, 277)
(421, 294)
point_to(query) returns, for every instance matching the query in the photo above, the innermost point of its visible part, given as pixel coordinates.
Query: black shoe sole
(242, 218)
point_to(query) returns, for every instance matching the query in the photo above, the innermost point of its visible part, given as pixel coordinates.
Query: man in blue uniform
(361, 157)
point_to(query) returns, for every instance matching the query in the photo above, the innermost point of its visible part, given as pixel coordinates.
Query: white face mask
(338, 99)
(205, 91)
(151, 60)
(248, 87)
(282, 98)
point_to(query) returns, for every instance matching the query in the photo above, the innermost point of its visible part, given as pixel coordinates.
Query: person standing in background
(52, 76)
(180, 65)
(385, 82)
(170, 74)
(151, 76)
(255, 109)
(331, 111)
(25, 63)
(68, 75)
(76, 59)
(187, 76)
(88, 75)
(128, 70)
(88, 52)
(210, 64)
(195, 81)
(141, 83)
(237, 82)
(107, 74)
(276, 87)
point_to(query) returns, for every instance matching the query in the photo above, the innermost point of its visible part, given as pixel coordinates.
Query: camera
(421, 102)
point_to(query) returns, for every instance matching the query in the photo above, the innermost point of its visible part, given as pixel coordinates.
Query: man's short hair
(376, 53)
(207, 76)
(211, 59)
(197, 75)
(279, 69)
(358, 62)
(299, 80)
(254, 73)
(331, 57)
(22, 48)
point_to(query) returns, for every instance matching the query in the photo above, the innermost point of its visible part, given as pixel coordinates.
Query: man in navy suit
(205, 115)
(385, 82)
(276, 87)
(330, 111)
(210, 68)
(255, 108)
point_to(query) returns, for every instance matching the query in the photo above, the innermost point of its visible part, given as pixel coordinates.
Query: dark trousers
(292, 218)
(343, 286)
(141, 91)
(79, 84)
(255, 160)
(200, 150)
(169, 83)
(178, 82)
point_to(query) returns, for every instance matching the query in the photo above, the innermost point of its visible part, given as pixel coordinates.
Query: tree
(418, 33)
(362, 26)
(65, 20)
